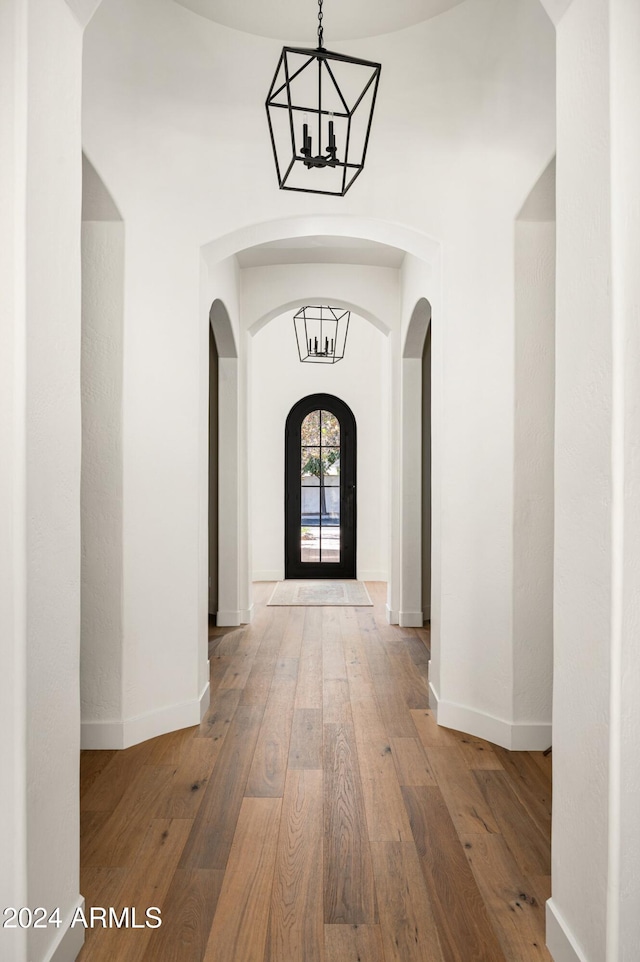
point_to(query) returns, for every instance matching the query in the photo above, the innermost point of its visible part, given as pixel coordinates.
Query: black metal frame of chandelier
(320, 53)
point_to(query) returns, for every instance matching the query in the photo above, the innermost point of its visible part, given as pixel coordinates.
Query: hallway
(318, 812)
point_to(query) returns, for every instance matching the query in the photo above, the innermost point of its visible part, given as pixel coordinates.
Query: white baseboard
(514, 736)
(393, 618)
(205, 697)
(69, 941)
(268, 574)
(410, 619)
(103, 735)
(371, 574)
(228, 619)
(233, 619)
(246, 616)
(560, 940)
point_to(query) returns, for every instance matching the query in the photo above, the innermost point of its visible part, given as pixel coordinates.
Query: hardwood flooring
(318, 813)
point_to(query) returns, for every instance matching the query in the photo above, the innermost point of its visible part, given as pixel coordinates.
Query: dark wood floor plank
(168, 749)
(407, 924)
(92, 765)
(478, 753)
(392, 704)
(544, 763)
(333, 662)
(349, 894)
(219, 715)
(218, 665)
(229, 641)
(464, 928)
(237, 674)
(374, 647)
(527, 843)
(239, 929)
(256, 691)
(385, 811)
(185, 791)
(309, 690)
(305, 749)
(269, 766)
(210, 841)
(412, 764)
(531, 784)
(355, 657)
(516, 914)
(541, 887)
(413, 685)
(144, 885)
(296, 920)
(291, 644)
(101, 886)
(336, 702)
(430, 733)
(467, 805)
(187, 915)
(106, 791)
(353, 943)
(395, 712)
(123, 831)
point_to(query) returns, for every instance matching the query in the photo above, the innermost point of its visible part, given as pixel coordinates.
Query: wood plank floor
(318, 813)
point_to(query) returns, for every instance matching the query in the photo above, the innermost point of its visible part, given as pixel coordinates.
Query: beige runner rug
(352, 593)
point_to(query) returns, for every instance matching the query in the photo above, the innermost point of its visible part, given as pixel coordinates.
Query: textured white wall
(40, 193)
(533, 474)
(582, 609)
(624, 893)
(278, 381)
(593, 914)
(13, 683)
(101, 679)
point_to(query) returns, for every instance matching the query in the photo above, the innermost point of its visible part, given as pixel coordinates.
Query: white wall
(40, 194)
(53, 463)
(583, 480)
(101, 656)
(535, 254)
(533, 475)
(13, 632)
(278, 381)
(596, 844)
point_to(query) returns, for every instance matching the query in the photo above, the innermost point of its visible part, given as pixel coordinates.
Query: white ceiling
(296, 20)
(321, 250)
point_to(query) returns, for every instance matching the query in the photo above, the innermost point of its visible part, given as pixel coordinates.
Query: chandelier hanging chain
(320, 27)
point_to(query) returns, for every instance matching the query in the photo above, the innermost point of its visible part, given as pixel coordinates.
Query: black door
(320, 489)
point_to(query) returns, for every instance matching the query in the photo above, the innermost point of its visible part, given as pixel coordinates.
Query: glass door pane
(320, 488)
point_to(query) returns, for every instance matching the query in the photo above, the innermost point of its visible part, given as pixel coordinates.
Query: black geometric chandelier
(320, 107)
(321, 333)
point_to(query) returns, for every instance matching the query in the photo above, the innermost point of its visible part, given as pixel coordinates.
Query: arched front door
(320, 489)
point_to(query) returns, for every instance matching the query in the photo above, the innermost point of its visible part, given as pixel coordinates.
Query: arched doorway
(320, 489)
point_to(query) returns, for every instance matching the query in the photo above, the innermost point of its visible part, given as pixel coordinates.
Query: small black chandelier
(320, 107)
(321, 333)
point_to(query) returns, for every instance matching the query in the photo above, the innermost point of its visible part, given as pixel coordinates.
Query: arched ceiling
(296, 20)
(321, 250)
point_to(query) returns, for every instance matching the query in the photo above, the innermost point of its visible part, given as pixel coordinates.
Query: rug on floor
(320, 593)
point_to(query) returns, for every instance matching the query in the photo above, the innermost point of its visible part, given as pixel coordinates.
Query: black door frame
(294, 567)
